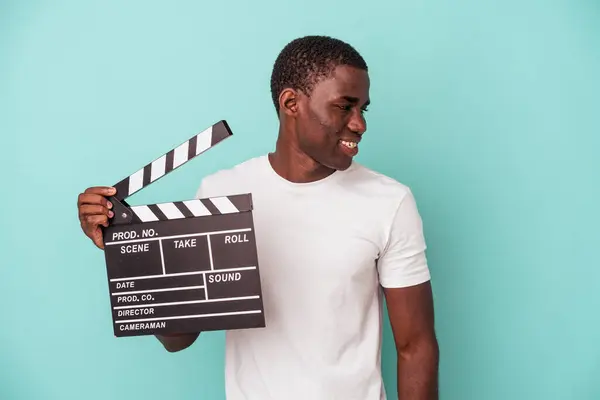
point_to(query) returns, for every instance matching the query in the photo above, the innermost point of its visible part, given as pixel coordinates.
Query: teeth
(348, 144)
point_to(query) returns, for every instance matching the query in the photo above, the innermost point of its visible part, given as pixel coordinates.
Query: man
(333, 238)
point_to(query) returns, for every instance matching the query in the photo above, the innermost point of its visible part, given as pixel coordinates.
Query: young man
(334, 238)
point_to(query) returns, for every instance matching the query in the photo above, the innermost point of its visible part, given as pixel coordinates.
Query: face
(330, 122)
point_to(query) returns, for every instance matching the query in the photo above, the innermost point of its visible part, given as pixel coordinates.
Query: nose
(357, 122)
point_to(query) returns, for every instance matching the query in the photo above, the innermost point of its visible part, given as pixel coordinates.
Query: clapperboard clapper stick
(182, 266)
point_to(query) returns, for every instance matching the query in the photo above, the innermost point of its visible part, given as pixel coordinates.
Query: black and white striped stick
(192, 208)
(173, 159)
(160, 167)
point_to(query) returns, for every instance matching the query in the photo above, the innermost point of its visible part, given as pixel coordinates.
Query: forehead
(344, 81)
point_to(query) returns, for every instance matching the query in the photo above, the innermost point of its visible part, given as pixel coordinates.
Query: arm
(410, 310)
(177, 342)
(405, 277)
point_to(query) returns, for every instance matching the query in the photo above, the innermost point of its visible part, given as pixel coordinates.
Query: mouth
(350, 147)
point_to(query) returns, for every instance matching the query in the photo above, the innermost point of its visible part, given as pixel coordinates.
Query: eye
(348, 108)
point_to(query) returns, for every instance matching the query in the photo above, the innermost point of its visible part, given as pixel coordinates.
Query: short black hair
(303, 61)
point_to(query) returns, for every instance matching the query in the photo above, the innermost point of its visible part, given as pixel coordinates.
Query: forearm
(177, 342)
(418, 371)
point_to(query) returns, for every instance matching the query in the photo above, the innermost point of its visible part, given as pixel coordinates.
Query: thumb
(98, 239)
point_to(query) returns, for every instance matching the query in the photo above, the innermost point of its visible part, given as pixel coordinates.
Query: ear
(288, 102)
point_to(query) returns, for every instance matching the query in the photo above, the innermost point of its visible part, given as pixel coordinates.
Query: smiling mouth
(349, 145)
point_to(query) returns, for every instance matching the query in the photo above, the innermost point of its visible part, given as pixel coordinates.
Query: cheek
(325, 127)
(324, 133)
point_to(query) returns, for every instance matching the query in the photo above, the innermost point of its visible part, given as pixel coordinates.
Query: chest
(309, 236)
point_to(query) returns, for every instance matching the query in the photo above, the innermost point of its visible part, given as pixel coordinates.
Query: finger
(93, 221)
(91, 227)
(94, 209)
(93, 199)
(101, 190)
(97, 239)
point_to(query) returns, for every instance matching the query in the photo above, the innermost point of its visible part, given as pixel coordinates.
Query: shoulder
(384, 205)
(372, 183)
(229, 180)
(238, 171)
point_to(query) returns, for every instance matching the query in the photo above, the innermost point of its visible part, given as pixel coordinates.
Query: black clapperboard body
(182, 266)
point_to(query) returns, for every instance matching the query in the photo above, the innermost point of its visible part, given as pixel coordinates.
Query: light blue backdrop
(488, 110)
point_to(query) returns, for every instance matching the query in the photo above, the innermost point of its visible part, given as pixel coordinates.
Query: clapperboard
(182, 266)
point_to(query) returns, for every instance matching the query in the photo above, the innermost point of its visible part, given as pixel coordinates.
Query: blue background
(488, 110)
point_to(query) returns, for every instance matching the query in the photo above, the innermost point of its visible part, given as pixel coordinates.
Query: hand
(94, 211)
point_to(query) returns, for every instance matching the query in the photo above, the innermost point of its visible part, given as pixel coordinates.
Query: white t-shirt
(324, 249)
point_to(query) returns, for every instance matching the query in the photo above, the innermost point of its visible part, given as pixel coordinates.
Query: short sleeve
(403, 261)
(206, 188)
(213, 185)
(201, 191)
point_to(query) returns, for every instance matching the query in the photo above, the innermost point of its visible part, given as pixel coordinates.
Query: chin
(339, 165)
(345, 166)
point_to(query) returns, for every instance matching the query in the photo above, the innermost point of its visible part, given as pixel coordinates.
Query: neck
(293, 164)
